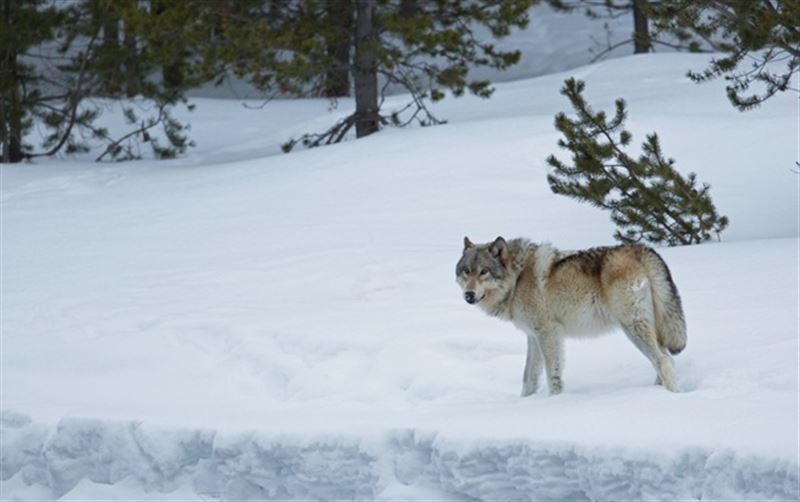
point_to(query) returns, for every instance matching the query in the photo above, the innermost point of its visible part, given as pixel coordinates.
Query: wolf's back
(670, 321)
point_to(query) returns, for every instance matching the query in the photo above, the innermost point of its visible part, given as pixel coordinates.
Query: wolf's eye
(465, 271)
(484, 271)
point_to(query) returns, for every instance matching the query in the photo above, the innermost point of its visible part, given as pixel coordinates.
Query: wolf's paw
(669, 385)
(528, 388)
(555, 386)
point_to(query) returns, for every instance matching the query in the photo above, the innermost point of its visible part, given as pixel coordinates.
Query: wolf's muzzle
(469, 296)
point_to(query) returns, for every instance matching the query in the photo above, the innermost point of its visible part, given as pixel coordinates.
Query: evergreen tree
(648, 199)
(25, 24)
(760, 40)
(57, 55)
(156, 50)
(306, 47)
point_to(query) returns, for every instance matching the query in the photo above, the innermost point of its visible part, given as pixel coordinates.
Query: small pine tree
(648, 199)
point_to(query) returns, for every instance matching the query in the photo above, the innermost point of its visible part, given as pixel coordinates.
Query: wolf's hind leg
(632, 305)
(666, 354)
(533, 367)
(643, 336)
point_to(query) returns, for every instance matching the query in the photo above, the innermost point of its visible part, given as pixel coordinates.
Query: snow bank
(81, 459)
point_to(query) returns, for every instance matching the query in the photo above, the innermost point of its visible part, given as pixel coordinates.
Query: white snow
(244, 324)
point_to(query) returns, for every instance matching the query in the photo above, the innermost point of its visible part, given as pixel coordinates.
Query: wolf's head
(482, 269)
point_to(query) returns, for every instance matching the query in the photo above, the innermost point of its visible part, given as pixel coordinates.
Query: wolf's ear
(499, 248)
(468, 243)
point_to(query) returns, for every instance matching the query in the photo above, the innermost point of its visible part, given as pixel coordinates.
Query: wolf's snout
(469, 296)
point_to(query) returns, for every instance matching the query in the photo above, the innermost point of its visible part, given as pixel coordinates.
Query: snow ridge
(395, 464)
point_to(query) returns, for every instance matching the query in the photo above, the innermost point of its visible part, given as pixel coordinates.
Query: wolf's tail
(670, 322)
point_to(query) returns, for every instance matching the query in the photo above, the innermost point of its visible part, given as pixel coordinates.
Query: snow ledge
(40, 462)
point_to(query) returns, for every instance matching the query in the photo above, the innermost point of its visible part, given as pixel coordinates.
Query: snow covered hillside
(244, 324)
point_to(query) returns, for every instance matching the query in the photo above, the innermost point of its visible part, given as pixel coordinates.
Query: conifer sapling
(648, 199)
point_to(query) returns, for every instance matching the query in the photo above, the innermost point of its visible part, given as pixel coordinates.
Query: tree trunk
(10, 106)
(172, 74)
(111, 76)
(340, 18)
(111, 31)
(131, 68)
(11, 112)
(409, 8)
(641, 30)
(366, 70)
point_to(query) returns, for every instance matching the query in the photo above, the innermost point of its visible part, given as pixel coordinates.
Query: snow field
(241, 324)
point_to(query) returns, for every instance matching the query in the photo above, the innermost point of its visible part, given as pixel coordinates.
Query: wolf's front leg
(533, 367)
(552, 349)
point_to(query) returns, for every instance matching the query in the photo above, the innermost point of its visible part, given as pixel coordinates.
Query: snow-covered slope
(244, 324)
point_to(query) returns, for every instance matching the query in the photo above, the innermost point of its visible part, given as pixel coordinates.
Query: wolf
(550, 294)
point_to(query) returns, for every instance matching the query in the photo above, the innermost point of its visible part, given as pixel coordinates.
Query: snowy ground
(243, 324)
